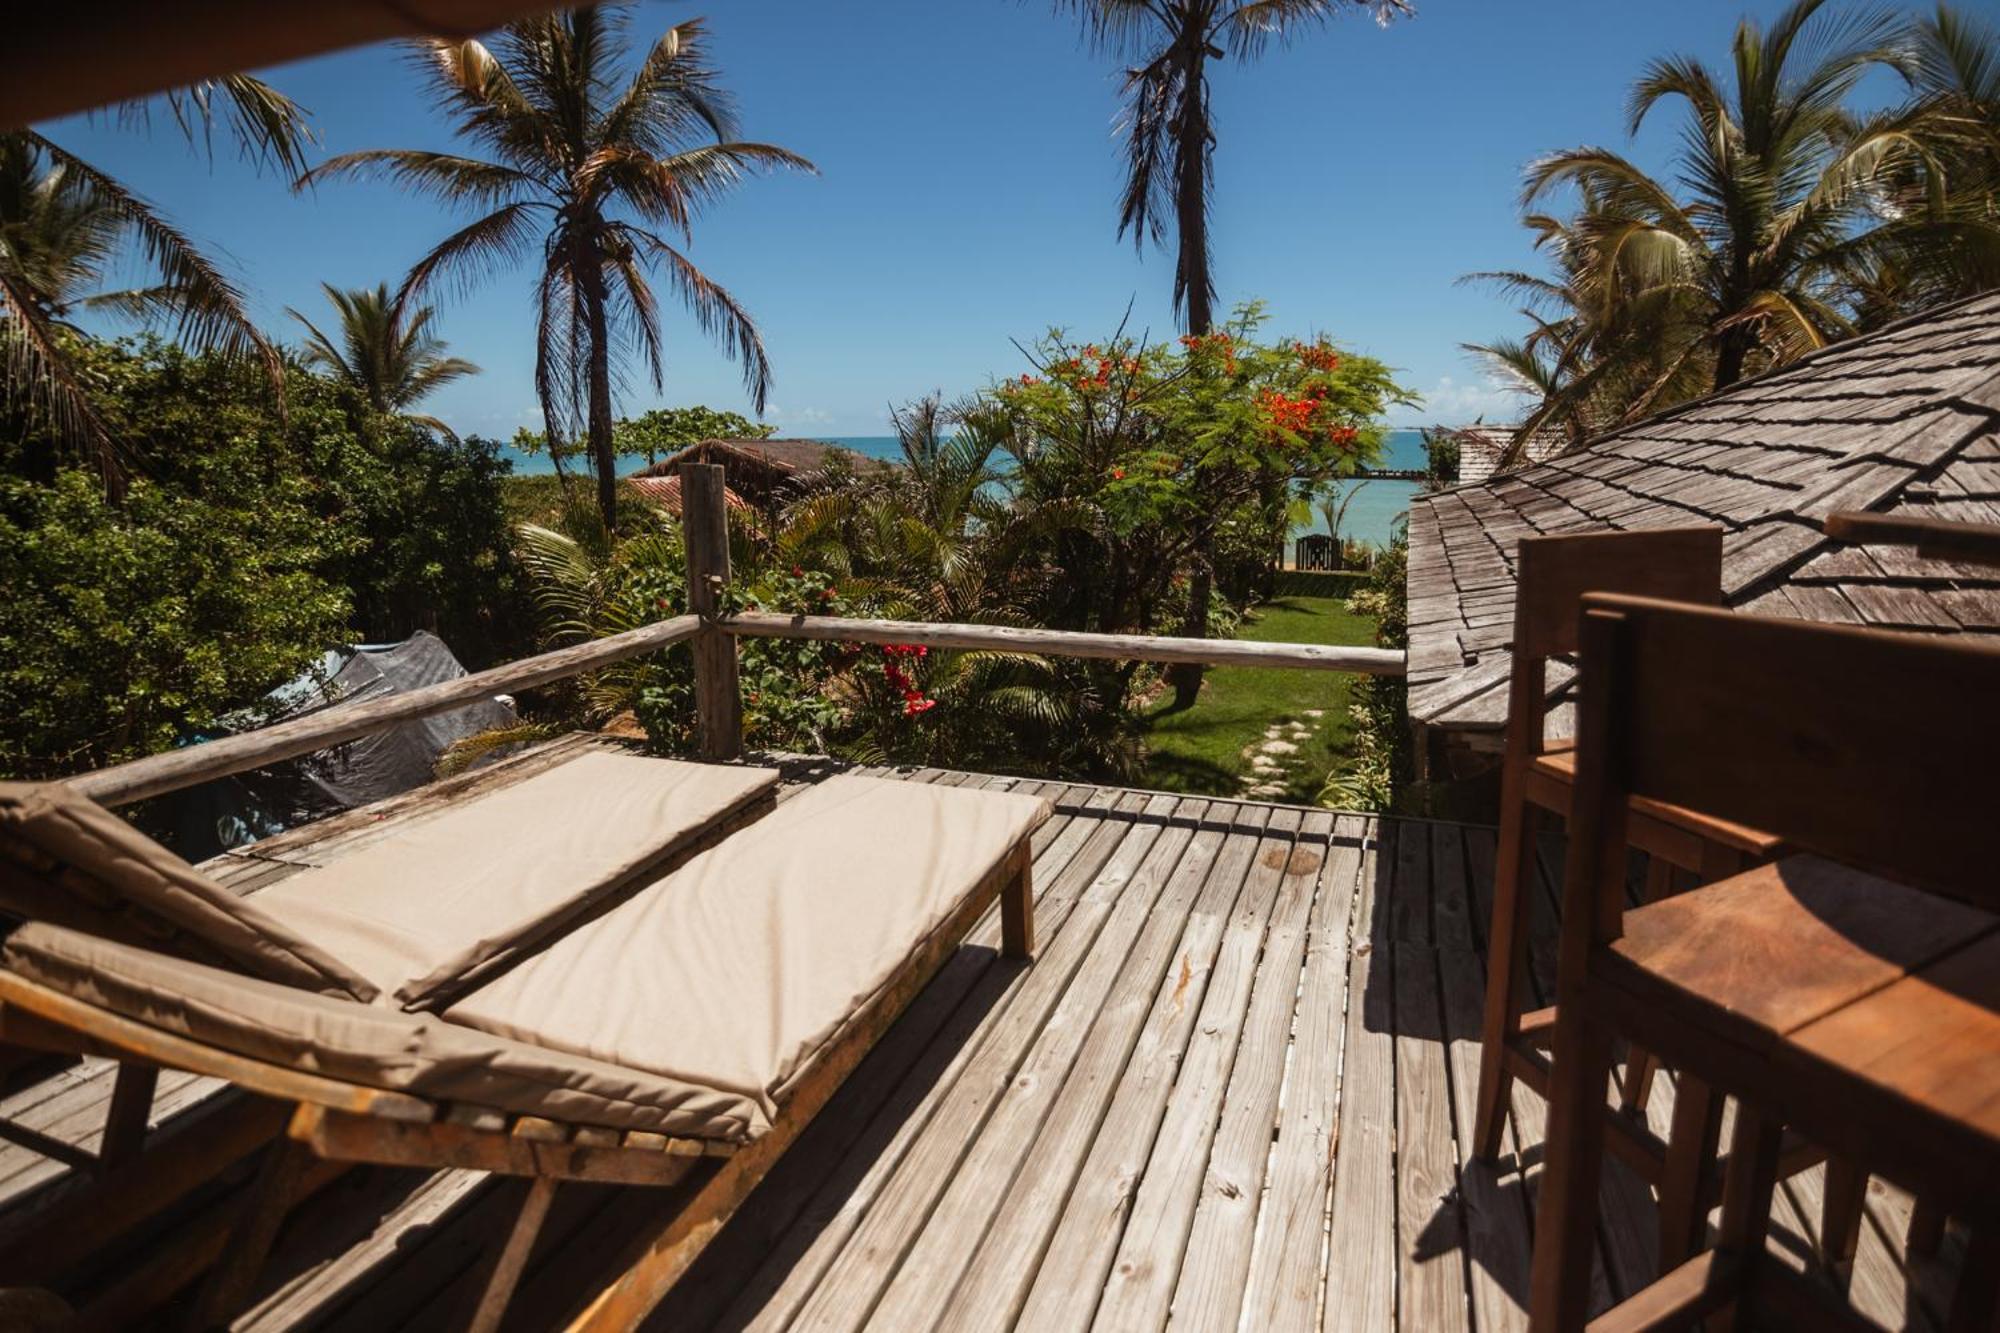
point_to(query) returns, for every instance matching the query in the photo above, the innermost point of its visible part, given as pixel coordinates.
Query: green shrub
(124, 630)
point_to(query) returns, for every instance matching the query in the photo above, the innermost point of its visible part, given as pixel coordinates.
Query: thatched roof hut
(764, 472)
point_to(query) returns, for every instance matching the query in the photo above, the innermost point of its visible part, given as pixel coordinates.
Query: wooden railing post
(718, 700)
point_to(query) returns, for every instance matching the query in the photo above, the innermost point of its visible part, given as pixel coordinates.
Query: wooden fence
(713, 639)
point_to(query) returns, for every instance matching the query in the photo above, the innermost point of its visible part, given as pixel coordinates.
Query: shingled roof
(1905, 420)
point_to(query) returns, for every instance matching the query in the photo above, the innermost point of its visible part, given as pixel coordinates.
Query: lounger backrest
(66, 859)
(428, 912)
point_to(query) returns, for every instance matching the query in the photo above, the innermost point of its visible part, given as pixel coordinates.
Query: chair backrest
(1551, 575)
(1871, 748)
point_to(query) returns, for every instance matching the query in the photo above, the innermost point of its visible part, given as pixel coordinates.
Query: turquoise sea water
(1371, 516)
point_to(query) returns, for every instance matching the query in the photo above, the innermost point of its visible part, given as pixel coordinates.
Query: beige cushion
(734, 970)
(370, 1045)
(114, 871)
(429, 907)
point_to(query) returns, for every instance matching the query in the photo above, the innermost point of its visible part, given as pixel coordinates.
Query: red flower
(1118, 474)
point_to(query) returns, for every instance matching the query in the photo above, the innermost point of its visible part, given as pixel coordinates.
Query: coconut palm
(589, 169)
(63, 225)
(1169, 125)
(1593, 362)
(1955, 77)
(386, 354)
(1782, 184)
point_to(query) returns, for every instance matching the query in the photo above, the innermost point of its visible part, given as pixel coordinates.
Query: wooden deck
(1233, 1090)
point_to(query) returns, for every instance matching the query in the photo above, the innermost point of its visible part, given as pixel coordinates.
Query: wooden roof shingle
(1905, 420)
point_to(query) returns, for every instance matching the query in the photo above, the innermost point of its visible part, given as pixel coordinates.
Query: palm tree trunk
(601, 456)
(1732, 350)
(1191, 134)
(1191, 219)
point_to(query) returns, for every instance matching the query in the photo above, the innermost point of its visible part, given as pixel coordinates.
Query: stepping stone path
(1270, 756)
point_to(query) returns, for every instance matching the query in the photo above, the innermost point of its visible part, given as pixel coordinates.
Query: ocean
(1371, 515)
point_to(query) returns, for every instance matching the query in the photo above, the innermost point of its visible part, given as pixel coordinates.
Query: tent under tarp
(228, 813)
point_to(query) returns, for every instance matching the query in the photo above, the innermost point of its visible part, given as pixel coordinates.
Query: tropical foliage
(385, 355)
(249, 541)
(1793, 219)
(1077, 494)
(63, 226)
(590, 166)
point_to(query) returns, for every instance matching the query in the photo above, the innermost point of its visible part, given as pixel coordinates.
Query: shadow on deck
(1233, 1088)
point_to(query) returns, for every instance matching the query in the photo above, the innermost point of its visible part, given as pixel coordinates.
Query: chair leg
(234, 1276)
(1566, 1208)
(1840, 1217)
(1684, 1193)
(1926, 1228)
(513, 1257)
(1506, 958)
(1977, 1295)
(1747, 1188)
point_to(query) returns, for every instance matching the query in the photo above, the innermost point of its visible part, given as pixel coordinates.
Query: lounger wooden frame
(339, 1122)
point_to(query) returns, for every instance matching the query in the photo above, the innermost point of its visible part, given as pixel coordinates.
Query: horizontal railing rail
(158, 774)
(1067, 643)
(718, 702)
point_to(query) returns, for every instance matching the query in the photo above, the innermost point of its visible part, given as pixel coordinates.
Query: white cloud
(1451, 403)
(804, 416)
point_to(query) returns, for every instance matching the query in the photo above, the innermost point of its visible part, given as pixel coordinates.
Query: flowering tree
(1142, 454)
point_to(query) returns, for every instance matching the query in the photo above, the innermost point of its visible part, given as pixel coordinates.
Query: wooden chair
(1552, 574)
(1934, 539)
(1851, 991)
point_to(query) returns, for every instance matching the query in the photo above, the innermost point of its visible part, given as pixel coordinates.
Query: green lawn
(1209, 748)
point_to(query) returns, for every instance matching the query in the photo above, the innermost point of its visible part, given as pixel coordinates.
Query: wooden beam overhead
(64, 58)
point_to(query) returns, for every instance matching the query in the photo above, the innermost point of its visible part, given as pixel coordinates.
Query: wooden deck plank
(1492, 1198)
(1000, 1271)
(1430, 1277)
(1362, 1249)
(1064, 1290)
(1285, 1284)
(1215, 1273)
(1013, 1136)
(1146, 1267)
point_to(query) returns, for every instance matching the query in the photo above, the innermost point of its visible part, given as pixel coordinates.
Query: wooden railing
(713, 639)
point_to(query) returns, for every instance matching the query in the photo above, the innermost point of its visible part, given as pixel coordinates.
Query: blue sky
(967, 193)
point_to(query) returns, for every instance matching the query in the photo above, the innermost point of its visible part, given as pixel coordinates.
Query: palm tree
(386, 354)
(587, 171)
(1169, 125)
(1781, 179)
(63, 224)
(1955, 77)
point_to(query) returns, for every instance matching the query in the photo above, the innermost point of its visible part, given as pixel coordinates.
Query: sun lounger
(683, 1035)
